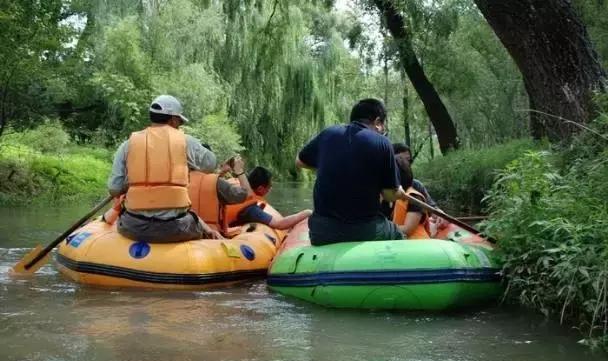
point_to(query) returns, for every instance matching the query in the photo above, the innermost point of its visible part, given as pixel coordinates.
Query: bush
(49, 137)
(459, 180)
(217, 131)
(29, 172)
(552, 225)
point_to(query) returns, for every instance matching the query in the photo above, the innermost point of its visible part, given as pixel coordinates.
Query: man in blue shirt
(355, 164)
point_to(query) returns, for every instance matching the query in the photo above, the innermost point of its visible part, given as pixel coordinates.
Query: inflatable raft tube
(98, 255)
(432, 274)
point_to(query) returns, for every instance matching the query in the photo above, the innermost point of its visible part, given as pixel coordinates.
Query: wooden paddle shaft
(68, 232)
(441, 214)
(472, 218)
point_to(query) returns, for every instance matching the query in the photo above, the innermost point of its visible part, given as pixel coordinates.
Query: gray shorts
(154, 230)
(326, 230)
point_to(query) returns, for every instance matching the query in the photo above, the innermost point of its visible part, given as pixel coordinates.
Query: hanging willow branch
(274, 9)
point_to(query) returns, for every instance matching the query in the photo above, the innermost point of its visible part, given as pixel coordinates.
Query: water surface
(47, 317)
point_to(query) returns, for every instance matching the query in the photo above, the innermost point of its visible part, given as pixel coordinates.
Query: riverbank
(549, 210)
(43, 166)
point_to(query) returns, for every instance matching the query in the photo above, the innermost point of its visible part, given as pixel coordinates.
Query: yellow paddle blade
(19, 268)
(231, 251)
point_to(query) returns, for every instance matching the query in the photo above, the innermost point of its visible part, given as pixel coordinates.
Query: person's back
(152, 169)
(351, 172)
(354, 165)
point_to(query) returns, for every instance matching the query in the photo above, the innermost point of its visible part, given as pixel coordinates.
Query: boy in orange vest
(411, 219)
(260, 180)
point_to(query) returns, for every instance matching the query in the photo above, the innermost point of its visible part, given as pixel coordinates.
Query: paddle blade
(19, 268)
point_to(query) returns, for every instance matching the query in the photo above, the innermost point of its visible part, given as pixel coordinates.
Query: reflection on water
(49, 318)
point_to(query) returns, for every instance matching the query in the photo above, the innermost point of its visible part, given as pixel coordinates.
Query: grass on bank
(42, 165)
(549, 211)
(459, 181)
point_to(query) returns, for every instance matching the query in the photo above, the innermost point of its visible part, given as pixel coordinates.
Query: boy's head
(403, 156)
(403, 152)
(260, 180)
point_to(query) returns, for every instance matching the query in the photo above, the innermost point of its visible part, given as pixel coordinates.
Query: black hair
(159, 118)
(259, 176)
(405, 174)
(401, 148)
(367, 110)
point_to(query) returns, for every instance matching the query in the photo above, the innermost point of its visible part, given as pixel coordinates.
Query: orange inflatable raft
(98, 255)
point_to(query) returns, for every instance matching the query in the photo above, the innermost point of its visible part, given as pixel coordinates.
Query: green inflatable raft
(435, 274)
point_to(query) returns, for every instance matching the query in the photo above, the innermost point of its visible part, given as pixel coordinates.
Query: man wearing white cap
(152, 169)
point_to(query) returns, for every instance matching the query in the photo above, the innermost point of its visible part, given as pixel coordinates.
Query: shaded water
(49, 318)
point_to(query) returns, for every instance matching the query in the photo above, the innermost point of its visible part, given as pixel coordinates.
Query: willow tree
(436, 110)
(282, 76)
(552, 49)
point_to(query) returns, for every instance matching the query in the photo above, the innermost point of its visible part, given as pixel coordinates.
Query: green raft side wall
(432, 297)
(400, 256)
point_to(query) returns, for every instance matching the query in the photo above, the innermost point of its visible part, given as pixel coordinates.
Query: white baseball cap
(167, 104)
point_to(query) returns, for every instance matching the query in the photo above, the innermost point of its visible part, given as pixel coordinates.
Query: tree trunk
(560, 68)
(406, 122)
(2, 125)
(436, 110)
(431, 148)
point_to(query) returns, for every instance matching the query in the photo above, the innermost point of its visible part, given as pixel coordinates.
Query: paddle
(441, 214)
(32, 261)
(472, 218)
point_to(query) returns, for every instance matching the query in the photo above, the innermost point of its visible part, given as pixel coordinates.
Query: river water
(47, 317)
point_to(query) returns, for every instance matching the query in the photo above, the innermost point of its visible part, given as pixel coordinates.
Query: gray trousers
(326, 230)
(154, 230)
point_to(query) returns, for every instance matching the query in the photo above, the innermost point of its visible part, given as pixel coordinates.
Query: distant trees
(436, 110)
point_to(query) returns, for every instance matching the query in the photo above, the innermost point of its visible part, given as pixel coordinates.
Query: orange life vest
(206, 203)
(231, 211)
(157, 169)
(400, 212)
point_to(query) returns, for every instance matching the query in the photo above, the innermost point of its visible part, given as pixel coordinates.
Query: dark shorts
(138, 228)
(254, 213)
(326, 230)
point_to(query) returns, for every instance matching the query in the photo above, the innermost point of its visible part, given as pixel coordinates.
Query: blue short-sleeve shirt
(254, 213)
(354, 164)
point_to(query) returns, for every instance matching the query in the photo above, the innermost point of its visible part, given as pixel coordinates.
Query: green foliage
(33, 40)
(552, 223)
(460, 180)
(49, 137)
(280, 71)
(216, 131)
(184, 33)
(121, 52)
(123, 82)
(31, 170)
(199, 89)
(282, 79)
(593, 13)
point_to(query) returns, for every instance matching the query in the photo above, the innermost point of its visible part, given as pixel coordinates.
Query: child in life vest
(260, 180)
(411, 219)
